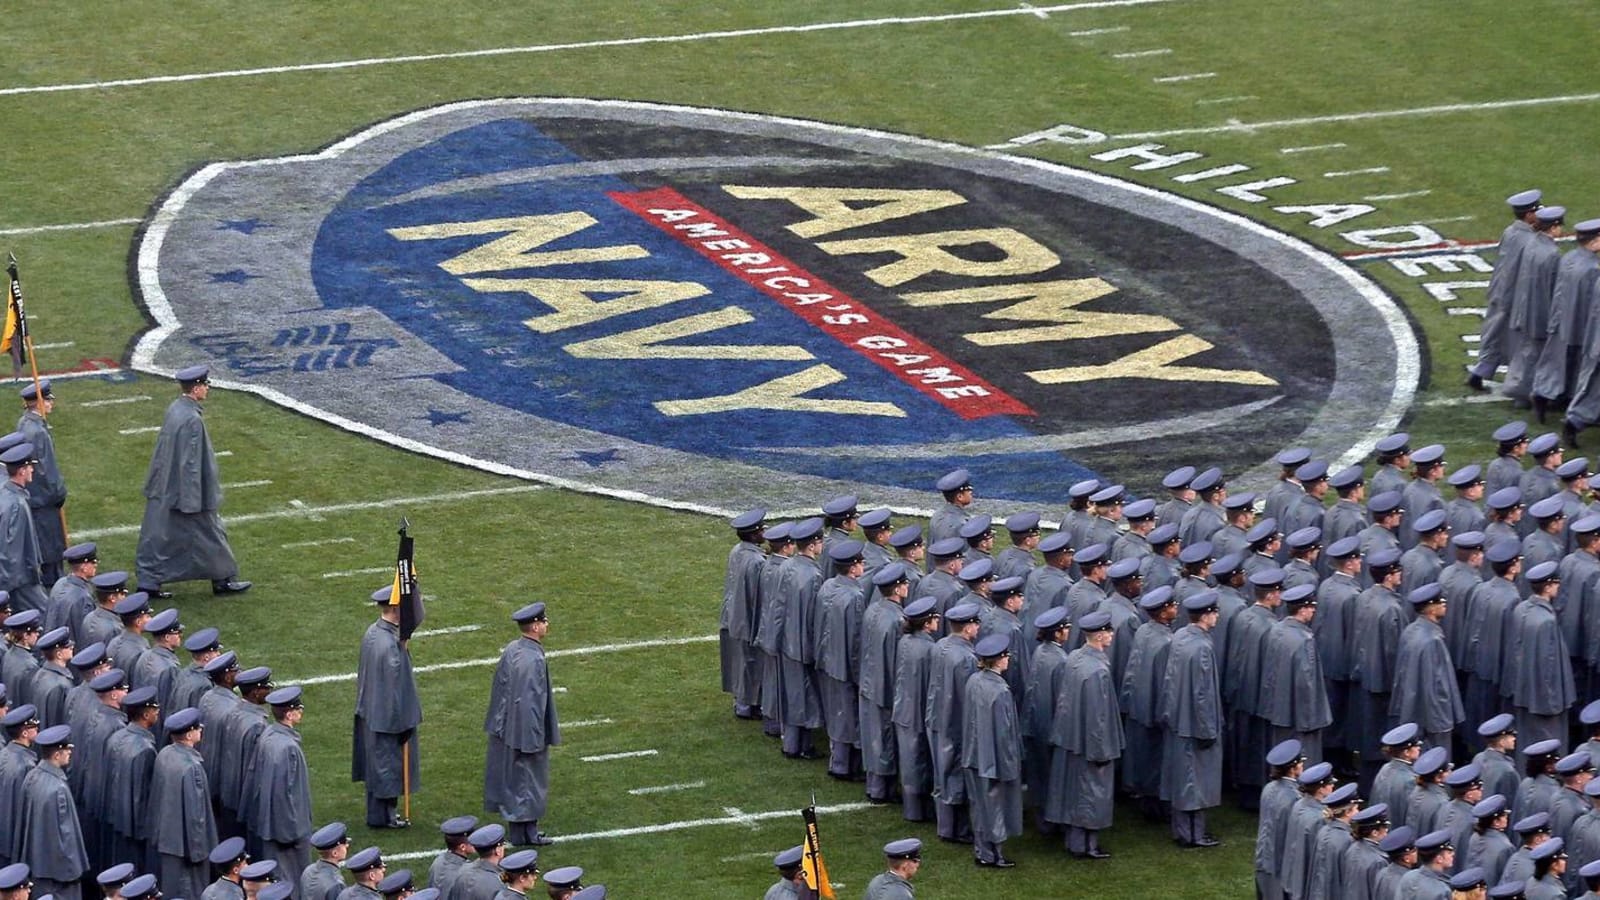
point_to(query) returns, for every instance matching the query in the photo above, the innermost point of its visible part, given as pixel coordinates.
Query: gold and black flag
(811, 864)
(14, 339)
(406, 593)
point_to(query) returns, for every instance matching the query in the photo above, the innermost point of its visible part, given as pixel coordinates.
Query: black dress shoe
(1001, 862)
(157, 593)
(1569, 433)
(229, 586)
(540, 840)
(1097, 853)
(1475, 381)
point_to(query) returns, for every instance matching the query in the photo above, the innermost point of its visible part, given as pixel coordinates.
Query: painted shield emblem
(714, 309)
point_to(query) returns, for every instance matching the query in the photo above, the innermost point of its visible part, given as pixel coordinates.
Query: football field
(431, 253)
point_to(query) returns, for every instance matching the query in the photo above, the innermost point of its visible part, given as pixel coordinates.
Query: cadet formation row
(1159, 650)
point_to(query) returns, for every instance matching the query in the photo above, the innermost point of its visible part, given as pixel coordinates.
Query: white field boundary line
(742, 819)
(69, 226)
(310, 512)
(549, 654)
(688, 38)
(625, 754)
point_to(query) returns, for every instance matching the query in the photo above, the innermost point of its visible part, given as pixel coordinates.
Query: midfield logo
(714, 309)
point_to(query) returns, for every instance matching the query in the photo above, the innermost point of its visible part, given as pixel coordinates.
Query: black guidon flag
(406, 592)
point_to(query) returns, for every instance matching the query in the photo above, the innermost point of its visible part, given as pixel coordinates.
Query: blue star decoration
(594, 459)
(439, 417)
(232, 276)
(243, 226)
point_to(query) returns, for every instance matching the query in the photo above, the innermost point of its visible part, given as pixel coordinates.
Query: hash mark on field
(625, 754)
(1446, 221)
(549, 654)
(1312, 148)
(1094, 31)
(115, 401)
(586, 723)
(668, 788)
(58, 345)
(1473, 400)
(460, 629)
(1193, 76)
(72, 226)
(1242, 98)
(741, 857)
(318, 543)
(349, 572)
(224, 453)
(1137, 54)
(1346, 173)
(260, 482)
(742, 818)
(146, 429)
(1406, 195)
(693, 37)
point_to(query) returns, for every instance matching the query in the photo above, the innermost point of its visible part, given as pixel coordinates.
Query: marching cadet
(950, 664)
(1464, 512)
(1160, 567)
(1456, 583)
(157, 666)
(385, 751)
(1334, 627)
(839, 518)
(1430, 880)
(790, 880)
(991, 754)
(1531, 294)
(130, 757)
(183, 831)
(1347, 517)
(913, 653)
(182, 537)
(323, 879)
(522, 727)
(769, 630)
(1333, 839)
(956, 486)
(229, 859)
(1549, 866)
(978, 532)
(1305, 820)
(1488, 848)
(1203, 519)
(877, 528)
(47, 492)
(1362, 861)
(1047, 666)
(281, 814)
(1538, 677)
(838, 658)
(519, 871)
(1402, 745)
(798, 581)
(1086, 732)
(1428, 798)
(447, 865)
(1135, 543)
(881, 627)
(1017, 559)
(1047, 585)
(1425, 690)
(72, 596)
(741, 608)
(1278, 797)
(1378, 623)
(1394, 457)
(1466, 789)
(52, 839)
(1191, 720)
(1177, 483)
(905, 861)
(1497, 341)
(368, 868)
(17, 758)
(1140, 697)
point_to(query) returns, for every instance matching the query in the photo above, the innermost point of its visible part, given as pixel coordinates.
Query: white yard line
(1346, 173)
(1242, 98)
(689, 38)
(586, 723)
(259, 482)
(96, 372)
(671, 788)
(70, 226)
(115, 401)
(741, 857)
(742, 817)
(224, 453)
(318, 543)
(55, 345)
(1037, 12)
(549, 654)
(1406, 195)
(300, 510)
(1192, 76)
(625, 754)
(349, 572)
(1313, 148)
(1473, 400)
(462, 629)
(1446, 221)
(1140, 54)
(1091, 32)
(145, 429)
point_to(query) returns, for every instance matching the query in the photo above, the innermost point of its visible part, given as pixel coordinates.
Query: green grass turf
(618, 572)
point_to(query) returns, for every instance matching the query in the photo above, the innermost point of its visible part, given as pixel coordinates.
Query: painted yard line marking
(299, 510)
(146, 429)
(224, 453)
(115, 401)
(587, 723)
(1192, 76)
(1312, 148)
(1242, 98)
(318, 543)
(97, 369)
(57, 345)
(1094, 31)
(741, 857)
(625, 754)
(1038, 12)
(349, 572)
(742, 819)
(1138, 54)
(1468, 401)
(669, 788)
(1446, 221)
(1406, 195)
(463, 629)
(558, 690)
(1444, 109)
(71, 226)
(549, 654)
(1432, 248)
(260, 482)
(693, 37)
(1346, 173)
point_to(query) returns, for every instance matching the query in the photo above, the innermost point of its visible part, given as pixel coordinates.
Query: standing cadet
(1308, 507)
(1044, 685)
(47, 493)
(92, 734)
(741, 610)
(905, 861)
(1247, 641)
(281, 814)
(1177, 483)
(1489, 614)
(1001, 617)
(881, 627)
(181, 827)
(1120, 603)
(191, 682)
(1394, 456)
(519, 871)
(1401, 849)
(17, 758)
(72, 597)
(1402, 745)
(1047, 585)
(1465, 511)
(1378, 623)
(949, 666)
(1549, 867)
(229, 858)
(1425, 689)
(1191, 719)
(384, 753)
(1204, 518)
(1334, 627)
(1140, 697)
(522, 728)
(1499, 739)
(1579, 603)
(798, 580)
(1079, 516)
(182, 536)
(1430, 880)
(1086, 732)
(216, 706)
(1286, 489)
(565, 883)
(1086, 595)
(1456, 584)
(1575, 494)
(48, 686)
(838, 657)
(52, 841)
(790, 877)
(19, 544)
(158, 665)
(1306, 818)
(480, 879)
(991, 754)
(447, 865)
(129, 644)
(943, 582)
(1380, 535)
(1278, 797)
(1294, 698)
(1546, 542)
(913, 653)
(1361, 862)
(839, 524)
(1241, 514)
(1466, 789)
(877, 528)
(1538, 680)
(956, 487)
(1347, 517)
(130, 759)
(1496, 345)
(909, 549)
(1583, 840)
(18, 664)
(1017, 559)
(1531, 295)
(1421, 493)
(1511, 445)
(323, 879)
(1425, 560)
(1160, 568)
(1135, 542)
(1305, 547)
(1488, 848)
(102, 624)
(769, 630)
(1574, 771)
(978, 532)
(1541, 480)
(368, 868)
(1196, 560)
(1103, 527)
(239, 741)
(1333, 839)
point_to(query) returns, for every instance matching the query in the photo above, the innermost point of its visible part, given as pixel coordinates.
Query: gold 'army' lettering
(1049, 309)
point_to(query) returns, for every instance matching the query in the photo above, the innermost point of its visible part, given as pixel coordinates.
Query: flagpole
(33, 361)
